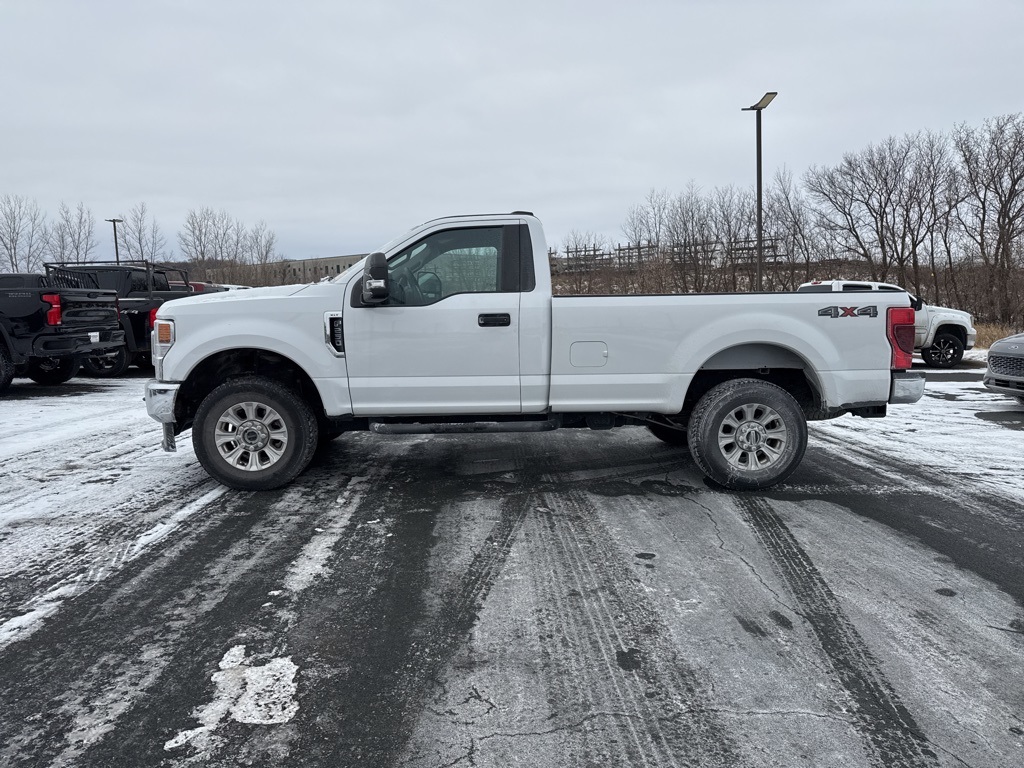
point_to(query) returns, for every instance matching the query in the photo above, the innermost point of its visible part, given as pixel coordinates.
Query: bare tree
(222, 249)
(24, 234)
(692, 240)
(992, 214)
(262, 244)
(645, 223)
(586, 264)
(734, 214)
(72, 236)
(198, 240)
(790, 222)
(140, 237)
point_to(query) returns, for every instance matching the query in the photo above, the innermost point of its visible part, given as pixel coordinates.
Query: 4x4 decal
(871, 311)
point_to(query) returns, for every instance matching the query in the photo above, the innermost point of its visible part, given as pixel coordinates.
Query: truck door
(446, 341)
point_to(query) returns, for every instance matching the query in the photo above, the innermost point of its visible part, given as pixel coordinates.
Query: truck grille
(1002, 365)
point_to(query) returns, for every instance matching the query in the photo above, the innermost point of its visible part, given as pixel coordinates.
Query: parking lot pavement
(568, 599)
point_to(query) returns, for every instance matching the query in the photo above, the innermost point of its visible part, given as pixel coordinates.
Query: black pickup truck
(50, 323)
(141, 287)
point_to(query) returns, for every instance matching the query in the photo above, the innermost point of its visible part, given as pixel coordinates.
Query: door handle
(497, 320)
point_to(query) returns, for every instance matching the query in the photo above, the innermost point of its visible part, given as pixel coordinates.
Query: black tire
(671, 435)
(279, 426)
(107, 366)
(946, 351)
(6, 368)
(747, 434)
(52, 370)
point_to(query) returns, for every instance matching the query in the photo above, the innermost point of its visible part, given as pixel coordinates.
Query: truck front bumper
(906, 387)
(160, 396)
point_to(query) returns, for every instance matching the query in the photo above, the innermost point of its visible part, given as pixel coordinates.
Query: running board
(382, 428)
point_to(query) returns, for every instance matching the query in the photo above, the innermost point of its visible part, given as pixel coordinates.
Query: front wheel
(254, 434)
(945, 352)
(747, 434)
(52, 370)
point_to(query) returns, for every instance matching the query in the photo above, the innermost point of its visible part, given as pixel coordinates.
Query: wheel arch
(774, 363)
(228, 364)
(953, 329)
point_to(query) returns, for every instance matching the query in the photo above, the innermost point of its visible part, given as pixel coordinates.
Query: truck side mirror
(375, 279)
(916, 302)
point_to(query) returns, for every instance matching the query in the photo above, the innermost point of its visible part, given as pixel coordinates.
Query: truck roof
(827, 286)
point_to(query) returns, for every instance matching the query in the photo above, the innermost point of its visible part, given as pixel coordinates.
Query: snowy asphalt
(563, 599)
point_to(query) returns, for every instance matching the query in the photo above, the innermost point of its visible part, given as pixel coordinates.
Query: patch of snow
(245, 693)
(312, 560)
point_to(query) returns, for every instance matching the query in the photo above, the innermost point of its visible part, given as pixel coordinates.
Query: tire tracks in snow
(888, 728)
(623, 693)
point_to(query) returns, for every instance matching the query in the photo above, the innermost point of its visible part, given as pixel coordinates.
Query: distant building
(308, 270)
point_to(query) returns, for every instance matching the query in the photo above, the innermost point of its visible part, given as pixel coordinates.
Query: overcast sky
(341, 124)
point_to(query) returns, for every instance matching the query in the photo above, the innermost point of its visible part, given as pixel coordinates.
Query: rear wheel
(107, 366)
(52, 370)
(945, 352)
(254, 434)
(6, 368)
(747, 434)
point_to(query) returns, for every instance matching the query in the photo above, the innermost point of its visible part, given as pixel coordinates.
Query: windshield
(388, 246)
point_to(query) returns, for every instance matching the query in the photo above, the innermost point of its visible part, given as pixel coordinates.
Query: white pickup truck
(452, 327)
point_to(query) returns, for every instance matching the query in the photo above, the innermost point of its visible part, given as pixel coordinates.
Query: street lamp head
(115, 221)
(764, 102)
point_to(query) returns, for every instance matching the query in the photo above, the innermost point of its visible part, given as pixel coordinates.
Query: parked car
(50, 323)
(941, 334)
(1005, 372)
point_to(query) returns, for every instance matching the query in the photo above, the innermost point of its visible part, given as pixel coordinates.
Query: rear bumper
(77, 343)
(906, 387)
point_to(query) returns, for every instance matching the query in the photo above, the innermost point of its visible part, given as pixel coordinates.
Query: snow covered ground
(408, 589)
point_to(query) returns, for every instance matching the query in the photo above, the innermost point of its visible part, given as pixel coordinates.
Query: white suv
(940, 334)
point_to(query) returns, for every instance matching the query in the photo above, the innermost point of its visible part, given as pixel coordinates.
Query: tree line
(212, 244)
(941, 214)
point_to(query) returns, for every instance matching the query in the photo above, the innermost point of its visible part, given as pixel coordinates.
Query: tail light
(53, 314)
(900, 330)
(152, 317)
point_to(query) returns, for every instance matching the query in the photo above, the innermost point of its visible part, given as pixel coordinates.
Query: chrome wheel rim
(753, 437)
(251, 436)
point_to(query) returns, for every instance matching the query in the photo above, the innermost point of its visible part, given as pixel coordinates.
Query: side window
(446, 263)
(140, 283)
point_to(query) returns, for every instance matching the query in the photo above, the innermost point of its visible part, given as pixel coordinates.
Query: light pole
(115, 222)
(758, 108)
